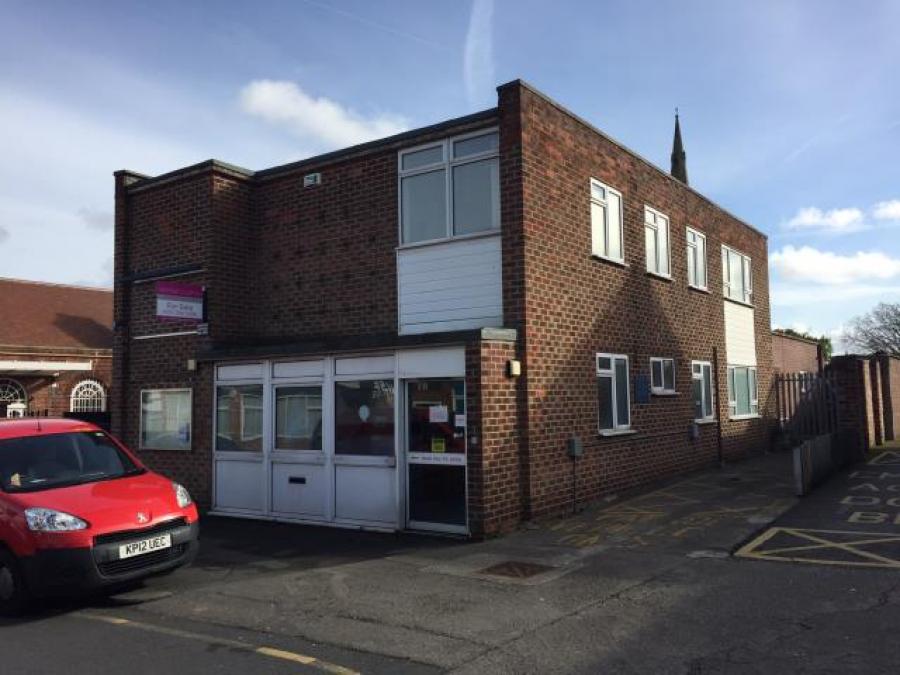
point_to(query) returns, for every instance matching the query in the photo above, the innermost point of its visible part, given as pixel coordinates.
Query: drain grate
(516, 569)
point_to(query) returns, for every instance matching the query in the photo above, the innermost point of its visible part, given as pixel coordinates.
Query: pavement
(642, 583)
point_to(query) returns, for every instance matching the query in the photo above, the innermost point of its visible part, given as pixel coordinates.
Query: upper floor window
(656, 233)
(737, 276)
(606, 222)
(450, 188)
(696, 259)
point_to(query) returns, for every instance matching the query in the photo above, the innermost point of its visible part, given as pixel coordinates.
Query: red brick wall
(44, 398)
(793, 355)
(575, 306)
(890, 382)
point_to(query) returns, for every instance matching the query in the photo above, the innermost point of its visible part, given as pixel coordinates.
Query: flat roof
(142, 181)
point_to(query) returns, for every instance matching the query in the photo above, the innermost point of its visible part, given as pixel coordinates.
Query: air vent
(311, 179)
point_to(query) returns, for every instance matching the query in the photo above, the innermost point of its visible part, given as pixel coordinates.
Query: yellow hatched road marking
(270, 652)
(754, 550)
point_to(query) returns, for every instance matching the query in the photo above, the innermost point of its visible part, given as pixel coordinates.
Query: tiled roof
(34, 314)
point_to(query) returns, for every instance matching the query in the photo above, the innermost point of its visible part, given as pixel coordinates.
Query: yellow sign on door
(438, 444)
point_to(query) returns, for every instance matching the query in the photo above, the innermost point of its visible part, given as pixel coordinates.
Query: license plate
(145, 546)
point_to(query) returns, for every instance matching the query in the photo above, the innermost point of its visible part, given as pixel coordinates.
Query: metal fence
(807, 404)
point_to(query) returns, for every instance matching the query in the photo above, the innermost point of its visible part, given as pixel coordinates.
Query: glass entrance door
(436, 454)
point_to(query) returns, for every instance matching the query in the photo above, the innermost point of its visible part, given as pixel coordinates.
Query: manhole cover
(516, 569)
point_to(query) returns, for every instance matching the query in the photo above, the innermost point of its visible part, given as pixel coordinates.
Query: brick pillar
(851, 379)
(495, 481)
(116, 400)
(890, 400)
(877, 437)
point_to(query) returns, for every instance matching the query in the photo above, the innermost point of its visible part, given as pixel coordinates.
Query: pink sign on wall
(177, 301)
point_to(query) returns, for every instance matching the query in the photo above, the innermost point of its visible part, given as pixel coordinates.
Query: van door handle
(297, 480)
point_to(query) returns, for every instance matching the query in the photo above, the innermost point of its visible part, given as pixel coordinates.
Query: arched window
(88, 396)
(13, 398)
(12, 392)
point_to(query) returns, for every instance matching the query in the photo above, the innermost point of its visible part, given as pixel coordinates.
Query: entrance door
(436, 454)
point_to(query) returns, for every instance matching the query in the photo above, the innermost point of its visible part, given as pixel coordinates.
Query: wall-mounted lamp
(513, 368)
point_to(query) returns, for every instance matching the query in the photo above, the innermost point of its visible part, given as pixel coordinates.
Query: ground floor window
(298, 418)
(662, 375)
(364, 418)
(13, 399)
(239, 417)
(742, 391)
(166, 419)
(88, 396)
(701, 387)
(612, 392)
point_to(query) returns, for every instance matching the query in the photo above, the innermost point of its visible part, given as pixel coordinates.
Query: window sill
(608, 433)
(706, 421)
(737, 302)
(447, 240)
(662, 277)
(691, 287)
(612, 261)
(738, 418)
(663, 394)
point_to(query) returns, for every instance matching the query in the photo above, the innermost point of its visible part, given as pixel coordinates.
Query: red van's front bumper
(51, 571)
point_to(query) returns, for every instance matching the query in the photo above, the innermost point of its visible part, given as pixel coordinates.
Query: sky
(790, 110)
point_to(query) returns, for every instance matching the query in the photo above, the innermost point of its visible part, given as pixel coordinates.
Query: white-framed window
(165, 419)
(702, 390)
(450, 188)
(613, 394)
(606, 222)
(743, 398)
(239, 417)
(656, 235)
(696, 259)
(298, 417)
(87, 396)
(662, 375)
(737, 276)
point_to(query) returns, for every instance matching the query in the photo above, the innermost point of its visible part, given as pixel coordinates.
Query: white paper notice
(437, 414)
(459, 420)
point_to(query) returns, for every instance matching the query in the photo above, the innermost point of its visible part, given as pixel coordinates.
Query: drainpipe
(718, 390)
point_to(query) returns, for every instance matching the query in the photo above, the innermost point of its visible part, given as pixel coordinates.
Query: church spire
(679, 158)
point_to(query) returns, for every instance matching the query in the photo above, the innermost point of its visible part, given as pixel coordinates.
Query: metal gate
(807, 404)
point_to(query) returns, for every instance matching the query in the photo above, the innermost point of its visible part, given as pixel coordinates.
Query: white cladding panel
(740, 336)
(442, 362)
(243, 371)
(298, 369)
(239, 485)
(450, 286)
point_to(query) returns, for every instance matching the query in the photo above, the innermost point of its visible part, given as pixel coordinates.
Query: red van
(79, 512)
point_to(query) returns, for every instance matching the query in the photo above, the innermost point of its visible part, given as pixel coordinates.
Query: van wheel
(13, 594)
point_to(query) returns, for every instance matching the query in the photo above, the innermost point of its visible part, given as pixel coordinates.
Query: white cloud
(835, 220)
(4, 234)
(96, 219)
(478, 54)
(810, 264)
(889, 210)
(320, 120)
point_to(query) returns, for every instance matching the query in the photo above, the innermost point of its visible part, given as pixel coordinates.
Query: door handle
(297, 480)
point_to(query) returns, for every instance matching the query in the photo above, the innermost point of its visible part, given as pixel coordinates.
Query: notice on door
(438, 444)
(438, 414)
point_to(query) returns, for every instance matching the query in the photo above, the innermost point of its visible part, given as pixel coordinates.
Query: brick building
(417, 331)
(55, 349)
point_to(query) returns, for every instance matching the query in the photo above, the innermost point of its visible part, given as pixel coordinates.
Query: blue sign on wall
(642, 389)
